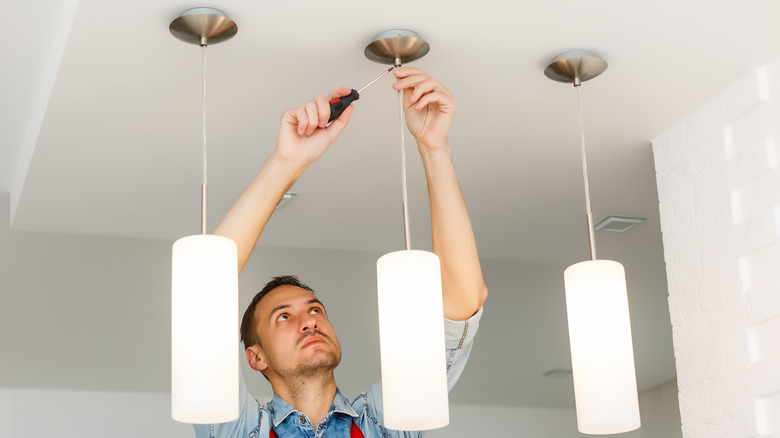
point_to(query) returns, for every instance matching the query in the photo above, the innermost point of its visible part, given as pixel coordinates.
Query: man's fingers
(425, 87)
(323, 105)
(418, 84)
(405, 72)
(297, 117)
(315, 113)
(340, 92)
(323, 110)
(304, 118)
(409, 82)
(440, 95)
(340, 123)
(408, 78)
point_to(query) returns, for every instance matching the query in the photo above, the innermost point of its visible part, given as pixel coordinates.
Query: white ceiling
(101, 121)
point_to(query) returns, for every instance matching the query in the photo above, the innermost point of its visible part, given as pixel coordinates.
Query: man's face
(297, 338)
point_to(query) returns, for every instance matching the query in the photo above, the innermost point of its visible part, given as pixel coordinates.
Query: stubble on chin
(322, 362)
(325, 361)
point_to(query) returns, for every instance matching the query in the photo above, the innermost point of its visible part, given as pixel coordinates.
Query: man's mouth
(311, 338)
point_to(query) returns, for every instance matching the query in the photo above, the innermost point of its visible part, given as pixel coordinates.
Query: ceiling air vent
(286, 199)
(618, 224)
(558, 374)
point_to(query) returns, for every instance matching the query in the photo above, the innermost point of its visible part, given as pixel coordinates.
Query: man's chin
(323, 363)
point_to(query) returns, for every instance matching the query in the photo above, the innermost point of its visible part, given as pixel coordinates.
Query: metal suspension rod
(405, 202)
(588, 214)
(204, 189)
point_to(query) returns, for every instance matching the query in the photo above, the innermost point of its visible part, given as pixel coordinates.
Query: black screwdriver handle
(339, 104)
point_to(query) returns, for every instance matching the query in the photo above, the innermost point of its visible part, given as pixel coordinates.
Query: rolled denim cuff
(460, 333)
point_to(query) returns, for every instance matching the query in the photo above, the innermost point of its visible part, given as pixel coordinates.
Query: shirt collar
(281, 409)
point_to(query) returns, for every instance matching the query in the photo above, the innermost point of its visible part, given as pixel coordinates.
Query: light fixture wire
(588, 214)
(405, 201)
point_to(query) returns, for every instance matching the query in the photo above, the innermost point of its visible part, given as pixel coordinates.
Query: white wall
(30, 413)
(91, 414)
(719, 191)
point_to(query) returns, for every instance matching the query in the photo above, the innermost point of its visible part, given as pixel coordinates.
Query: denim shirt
(256, 417)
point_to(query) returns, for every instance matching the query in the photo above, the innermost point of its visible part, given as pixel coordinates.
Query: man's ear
(256, 358)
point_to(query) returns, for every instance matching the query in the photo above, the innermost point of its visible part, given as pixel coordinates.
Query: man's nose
(308, 323)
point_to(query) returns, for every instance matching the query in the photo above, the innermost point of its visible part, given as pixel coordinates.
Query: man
(286, 331)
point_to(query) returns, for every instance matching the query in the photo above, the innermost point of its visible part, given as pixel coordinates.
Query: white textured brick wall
(719, 191)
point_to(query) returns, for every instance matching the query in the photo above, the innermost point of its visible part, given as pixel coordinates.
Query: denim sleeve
(248, 421)
(458, 340)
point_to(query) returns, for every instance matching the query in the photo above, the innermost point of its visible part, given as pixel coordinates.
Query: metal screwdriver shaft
(339, 104)
(377, 78)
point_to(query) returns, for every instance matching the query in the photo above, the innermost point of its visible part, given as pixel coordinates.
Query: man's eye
(315, 310)
(283, 317)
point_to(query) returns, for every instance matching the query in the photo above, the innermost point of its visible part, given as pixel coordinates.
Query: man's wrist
(285, 167)
(435, 151)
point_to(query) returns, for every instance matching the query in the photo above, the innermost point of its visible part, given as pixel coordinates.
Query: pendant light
(597, 304)
(411, 325)
(204, 286)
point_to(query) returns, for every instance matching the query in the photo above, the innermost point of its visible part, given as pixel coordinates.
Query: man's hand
(304, 134)
(429, 106)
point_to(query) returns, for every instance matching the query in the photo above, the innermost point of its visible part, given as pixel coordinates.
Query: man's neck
(311, 395)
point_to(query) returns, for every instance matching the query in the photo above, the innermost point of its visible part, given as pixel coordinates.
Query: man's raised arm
(430, 108)
(303, 138)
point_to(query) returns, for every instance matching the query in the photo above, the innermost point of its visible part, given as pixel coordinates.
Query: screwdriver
(339, 104)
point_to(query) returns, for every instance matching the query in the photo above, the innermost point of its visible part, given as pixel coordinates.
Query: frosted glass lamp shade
(411, 338)
(602, 353)
(204, 330)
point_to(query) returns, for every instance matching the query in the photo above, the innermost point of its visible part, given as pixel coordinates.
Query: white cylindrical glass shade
(204, 330)
(411, 338)
(602, 352)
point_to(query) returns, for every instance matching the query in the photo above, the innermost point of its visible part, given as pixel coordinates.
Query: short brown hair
(249, 334)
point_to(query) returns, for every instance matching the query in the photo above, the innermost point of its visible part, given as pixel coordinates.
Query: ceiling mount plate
(575, 67)
(203, 26)
(392, 45)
